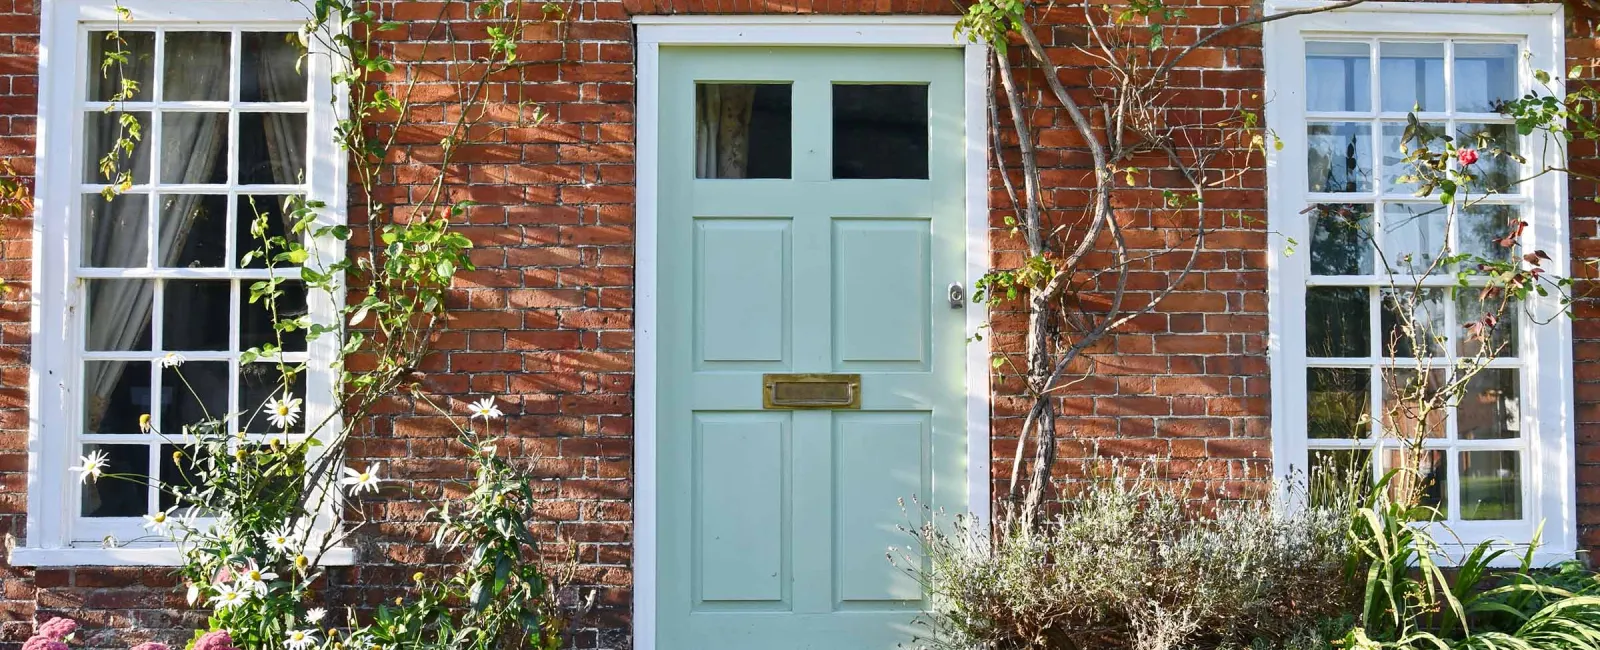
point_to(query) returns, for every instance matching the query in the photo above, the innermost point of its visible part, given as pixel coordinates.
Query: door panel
(774, 525)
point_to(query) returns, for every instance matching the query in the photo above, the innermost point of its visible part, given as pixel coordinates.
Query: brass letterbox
(793, 391)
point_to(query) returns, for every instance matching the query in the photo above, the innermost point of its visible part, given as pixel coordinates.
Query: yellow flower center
(255, 575)
(364, 477)
(283, 410)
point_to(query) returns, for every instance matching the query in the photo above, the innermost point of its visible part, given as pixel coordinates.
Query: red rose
(1467, 156)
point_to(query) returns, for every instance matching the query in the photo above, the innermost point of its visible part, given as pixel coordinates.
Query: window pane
(115, 394)
(179, 468)
(194, 148)
(194, 230)
(259, 382)
(131, 57)
(1486, 321)
(1338, 473)
(271, 70)
(115, 232)
(1480, 227)
(195, 315)
(109, 497)
(1412, 321)
(272, 148)
(1413, 406)
(1401, 141)
(1496, 171)
(1341, 239)
(196, 67)
(1491, 485)
(276, 216)
(119, 314)
(1338, 402)
(1422, 478)
(256, 326)
(1339, 157)
(1338, 77)
(1486, 75)
(1412, 76)
(1491, 408)
(1414, 238)
(1338, 322)
(743, 130)
(880, 131)
(103, 133)
(193, 393)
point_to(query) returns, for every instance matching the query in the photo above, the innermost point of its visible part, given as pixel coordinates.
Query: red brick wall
(546, 321)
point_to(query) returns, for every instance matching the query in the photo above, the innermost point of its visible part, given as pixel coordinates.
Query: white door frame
(848, 31)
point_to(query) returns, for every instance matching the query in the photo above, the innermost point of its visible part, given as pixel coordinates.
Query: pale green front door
(774, 525)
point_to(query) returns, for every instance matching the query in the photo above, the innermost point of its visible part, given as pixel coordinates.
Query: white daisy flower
(485, 408)
(253, 579)
(281, 540)
(300, 639)
(158, 522)
(227, 597)
(283, 413)
(363, 481)
(90, 467)
(171, 360)
(315, 615)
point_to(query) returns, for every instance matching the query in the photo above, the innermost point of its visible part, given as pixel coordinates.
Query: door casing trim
(734, 30)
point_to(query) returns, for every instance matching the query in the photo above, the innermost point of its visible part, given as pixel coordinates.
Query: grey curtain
(722, 129)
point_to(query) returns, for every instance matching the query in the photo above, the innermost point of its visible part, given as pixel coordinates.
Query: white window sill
(142, 556)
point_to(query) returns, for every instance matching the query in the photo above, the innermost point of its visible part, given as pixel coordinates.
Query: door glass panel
(880, 131)
(743, 130)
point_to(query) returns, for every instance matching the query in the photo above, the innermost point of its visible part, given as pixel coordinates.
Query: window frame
(57, 315)
(1545, 351)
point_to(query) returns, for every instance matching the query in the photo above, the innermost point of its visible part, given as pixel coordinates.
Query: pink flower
(1467, 156)
(216, 640)
(151, 645)
(58, 628)
(42, 642)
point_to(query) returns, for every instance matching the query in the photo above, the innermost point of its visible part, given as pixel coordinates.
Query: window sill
(143, 556)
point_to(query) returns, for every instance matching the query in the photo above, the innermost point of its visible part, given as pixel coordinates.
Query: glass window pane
(194, 231)
(1413, 406)
(1414, 238)
(1491, 407)
(111, 497)
(119, 314)
(1400, 142)
(107, 140)
(193, 393)
(1338, 402)
(1338, 322)
(1338, 76)
(1412, 76)
(115, 57)
(260, 382)
(1496, 170)
(1338, 474)
(1491, 485)
(880, 131)
(115, 394)
(196, 67)
(1486, 320)
(1486, 76)
(194, 148)
(1481, 227)
(266, 216)
(179, 469)
(271, 70)
(115, 232)
(743, 130)
(1339, 157)
(195, 315)
(1422, 478)
(1412, 321)
(256, 326)
(272, 148)
(1341, 239)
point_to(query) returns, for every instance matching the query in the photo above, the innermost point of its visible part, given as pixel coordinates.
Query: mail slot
(810, 391)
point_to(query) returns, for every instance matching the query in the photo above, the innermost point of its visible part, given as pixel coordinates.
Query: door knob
(957, 295)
